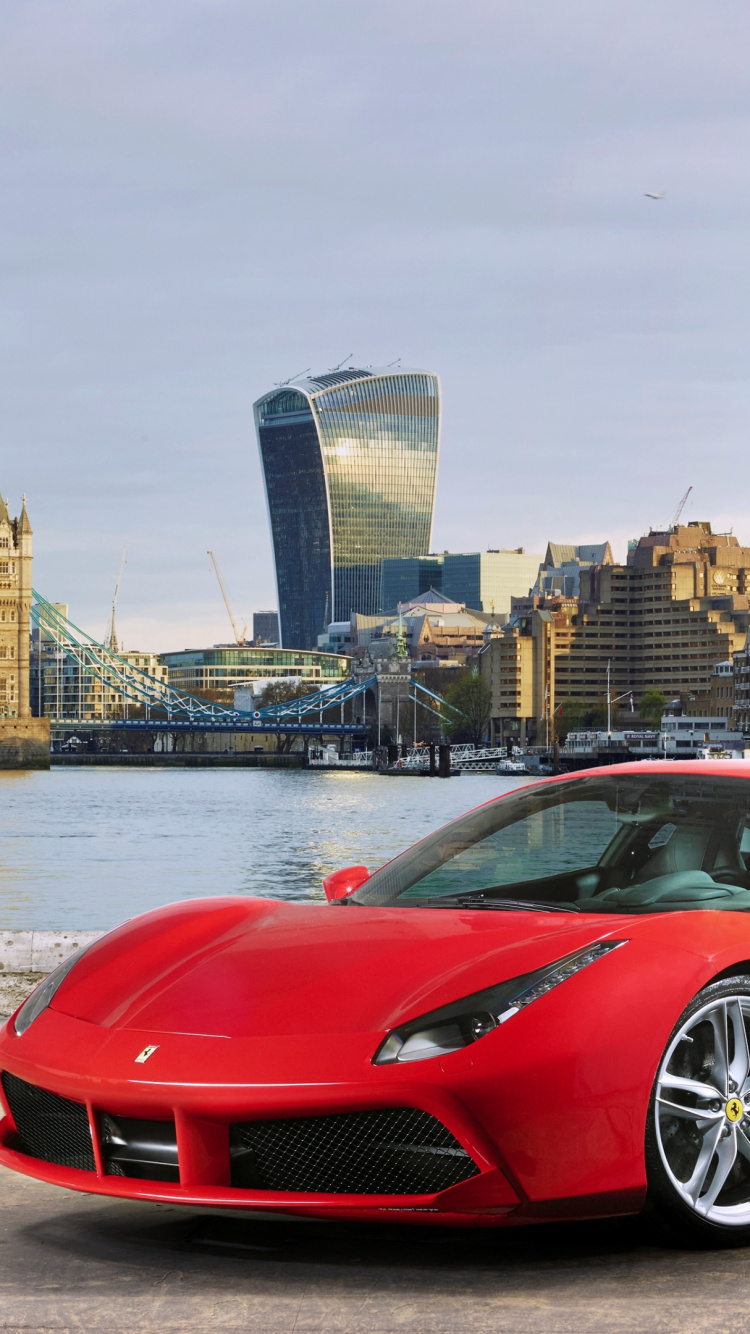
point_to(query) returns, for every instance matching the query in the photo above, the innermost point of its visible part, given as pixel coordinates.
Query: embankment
(28, 956)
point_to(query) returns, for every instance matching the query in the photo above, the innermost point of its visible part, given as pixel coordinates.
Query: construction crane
(110, 639)
(680, 508)
(240, 638)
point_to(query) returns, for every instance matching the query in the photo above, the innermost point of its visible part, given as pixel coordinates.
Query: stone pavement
(79, 1263)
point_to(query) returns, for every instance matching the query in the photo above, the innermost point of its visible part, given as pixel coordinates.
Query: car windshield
(633, 844)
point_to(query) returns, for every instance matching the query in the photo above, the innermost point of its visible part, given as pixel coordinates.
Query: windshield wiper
(478, 900)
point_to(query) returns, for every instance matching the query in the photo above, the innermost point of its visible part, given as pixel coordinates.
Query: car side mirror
(342, 883)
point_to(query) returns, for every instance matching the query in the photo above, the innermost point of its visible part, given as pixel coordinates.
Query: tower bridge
(81, 676)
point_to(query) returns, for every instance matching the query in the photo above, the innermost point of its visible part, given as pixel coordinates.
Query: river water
(84, 848)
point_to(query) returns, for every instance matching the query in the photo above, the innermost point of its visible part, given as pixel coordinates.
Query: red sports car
(539, 1012)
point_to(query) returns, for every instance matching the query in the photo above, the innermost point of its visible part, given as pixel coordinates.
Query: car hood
(260, 967)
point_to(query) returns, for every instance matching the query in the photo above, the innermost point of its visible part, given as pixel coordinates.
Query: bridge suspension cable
(132, 685)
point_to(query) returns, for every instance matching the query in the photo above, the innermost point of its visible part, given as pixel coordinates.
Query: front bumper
(197, 1085)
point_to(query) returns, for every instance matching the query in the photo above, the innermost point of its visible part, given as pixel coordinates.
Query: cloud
(202, 197)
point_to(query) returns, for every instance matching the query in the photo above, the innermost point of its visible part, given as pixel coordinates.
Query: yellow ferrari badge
(149, 1051)
(734, 1109)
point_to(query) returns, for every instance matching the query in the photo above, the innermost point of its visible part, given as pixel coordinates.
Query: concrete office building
(266, 627)
(560, 573)
(403, 578)
(340, 637)
(664, 621)
(350, 466)
(488, 580)
(741, 688)
(484, 580)
(722, 689)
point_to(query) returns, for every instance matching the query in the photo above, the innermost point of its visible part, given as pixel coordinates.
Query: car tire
(698, 1126)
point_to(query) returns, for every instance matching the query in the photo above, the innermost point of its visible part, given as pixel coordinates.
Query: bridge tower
(393, 670)
(24, 741)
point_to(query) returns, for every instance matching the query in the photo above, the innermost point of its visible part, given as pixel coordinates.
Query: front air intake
(135, 1148)
(393, 1151)
(49, 1127)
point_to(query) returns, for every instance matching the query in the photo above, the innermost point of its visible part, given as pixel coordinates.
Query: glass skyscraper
(350, 466)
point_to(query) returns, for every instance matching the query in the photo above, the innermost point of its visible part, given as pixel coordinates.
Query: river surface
(85, 848)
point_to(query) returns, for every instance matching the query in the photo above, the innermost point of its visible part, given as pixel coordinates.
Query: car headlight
(465, 1021)
(42, 995)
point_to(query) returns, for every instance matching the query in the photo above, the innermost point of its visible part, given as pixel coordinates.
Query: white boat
(327, 757)
(510, 767)
(721, 753)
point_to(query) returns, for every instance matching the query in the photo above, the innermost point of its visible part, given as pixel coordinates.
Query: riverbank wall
(181, 760)
(24, 743)
(26, 957)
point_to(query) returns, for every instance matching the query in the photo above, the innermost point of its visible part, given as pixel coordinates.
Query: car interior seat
(684, 851)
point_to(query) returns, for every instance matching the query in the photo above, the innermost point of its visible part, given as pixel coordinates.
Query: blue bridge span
(75, 658)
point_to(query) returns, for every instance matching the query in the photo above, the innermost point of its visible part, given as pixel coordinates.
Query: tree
(471, 696)
(568, 717)
(597, 714)
(279, 692)
(652, 706)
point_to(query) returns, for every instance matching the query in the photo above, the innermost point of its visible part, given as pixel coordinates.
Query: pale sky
(202, 197)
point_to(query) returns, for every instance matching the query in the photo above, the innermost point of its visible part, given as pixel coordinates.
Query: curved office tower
(350, 466)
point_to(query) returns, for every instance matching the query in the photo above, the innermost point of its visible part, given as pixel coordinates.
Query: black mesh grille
(395, 1151)
(49, 1127)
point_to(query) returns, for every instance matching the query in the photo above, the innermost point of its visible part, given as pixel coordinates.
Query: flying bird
(648, 195)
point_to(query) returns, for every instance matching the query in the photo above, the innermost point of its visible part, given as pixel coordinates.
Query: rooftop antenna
(680, 508)
(397, 362)
(240, 638)
(110, 639)
(348, 357)
(280, 383)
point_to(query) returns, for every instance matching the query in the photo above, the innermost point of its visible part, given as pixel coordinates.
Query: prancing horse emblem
(144, 1055)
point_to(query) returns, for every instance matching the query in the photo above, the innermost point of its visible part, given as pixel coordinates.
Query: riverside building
(663, 621)
(722, 689)
(214, 673)
(64, 688)
(741, 688)
(433, 631)
(350, 466)
(485, 580)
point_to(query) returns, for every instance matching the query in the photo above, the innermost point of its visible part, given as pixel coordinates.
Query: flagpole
(609, 706)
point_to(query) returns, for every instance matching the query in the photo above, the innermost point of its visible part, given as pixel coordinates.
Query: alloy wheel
(702, 1112)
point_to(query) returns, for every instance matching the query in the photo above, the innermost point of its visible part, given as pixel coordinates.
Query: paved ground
(75, 1262)
(15, 987)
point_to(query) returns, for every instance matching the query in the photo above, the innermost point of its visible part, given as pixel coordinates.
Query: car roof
(730, 768)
